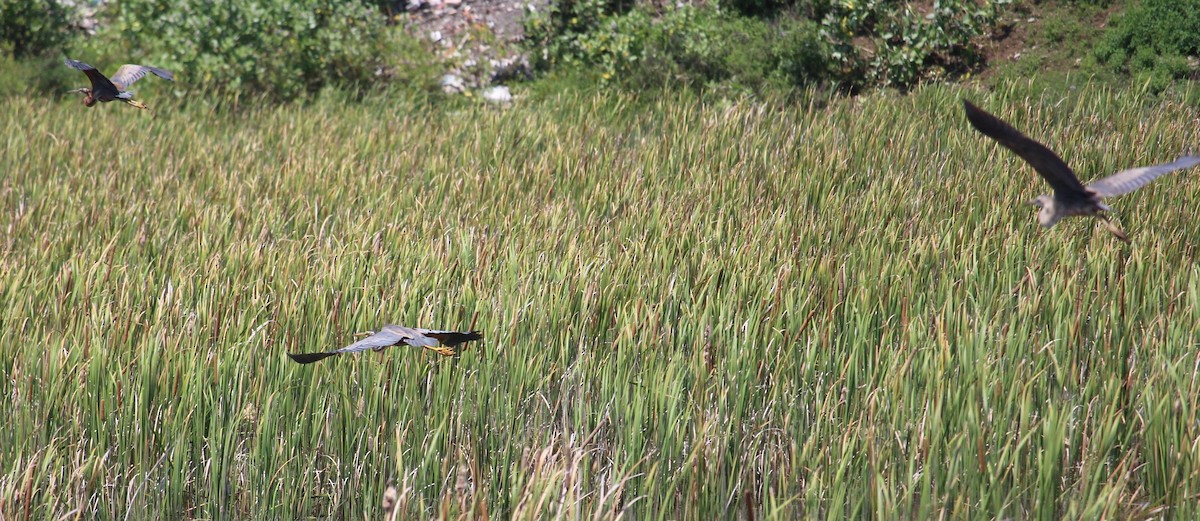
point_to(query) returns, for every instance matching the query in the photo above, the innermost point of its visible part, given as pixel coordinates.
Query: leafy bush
(1152, 40)
(32, 27)
(905, 45)
(280, 48)
(563, 33)
(712, 47)
(803, 54)
(709, 47)
(702, 46)
(855, 44)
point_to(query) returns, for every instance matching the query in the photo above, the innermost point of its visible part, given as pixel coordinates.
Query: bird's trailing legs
(1112, 227)
(137, 104)
(441, 350)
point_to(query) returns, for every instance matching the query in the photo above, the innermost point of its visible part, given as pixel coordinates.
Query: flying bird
(1070, 196)
(440, 342)
(116, 88)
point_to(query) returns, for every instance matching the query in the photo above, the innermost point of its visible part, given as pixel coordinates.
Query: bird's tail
(308, 358)
(453, 338)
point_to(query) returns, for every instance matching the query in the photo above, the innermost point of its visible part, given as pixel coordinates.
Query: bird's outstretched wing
(99, 81)
(130, 73)
(1127, 181)
(380, 340)
(1045, 161)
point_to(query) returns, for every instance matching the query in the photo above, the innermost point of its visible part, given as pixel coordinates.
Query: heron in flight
(1070, 196)
(440, 342)
(116, 88)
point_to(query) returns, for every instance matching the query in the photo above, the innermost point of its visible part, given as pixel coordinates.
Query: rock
(498, 95)
(452, 84)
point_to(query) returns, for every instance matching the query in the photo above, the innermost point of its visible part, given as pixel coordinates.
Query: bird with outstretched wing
(1070, 196)
(105, 89)
(438, 341)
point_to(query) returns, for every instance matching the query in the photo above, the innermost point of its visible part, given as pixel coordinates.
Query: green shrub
(906, 46)
(279, 48)
(1152, 40)
(698, 46)
(802, 53)
(33, 27)
(574, 31)
(710, 47)
(855, 44)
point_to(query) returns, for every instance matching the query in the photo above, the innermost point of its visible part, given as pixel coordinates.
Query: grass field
(692, 309)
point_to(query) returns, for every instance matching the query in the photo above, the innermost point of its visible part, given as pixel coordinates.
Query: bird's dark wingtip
(77, 65)
(163, 73)
(982, 120)
(308, 358)
(971, 109)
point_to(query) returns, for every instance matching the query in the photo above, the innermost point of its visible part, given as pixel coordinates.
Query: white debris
(452, 84)
(499, 95)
